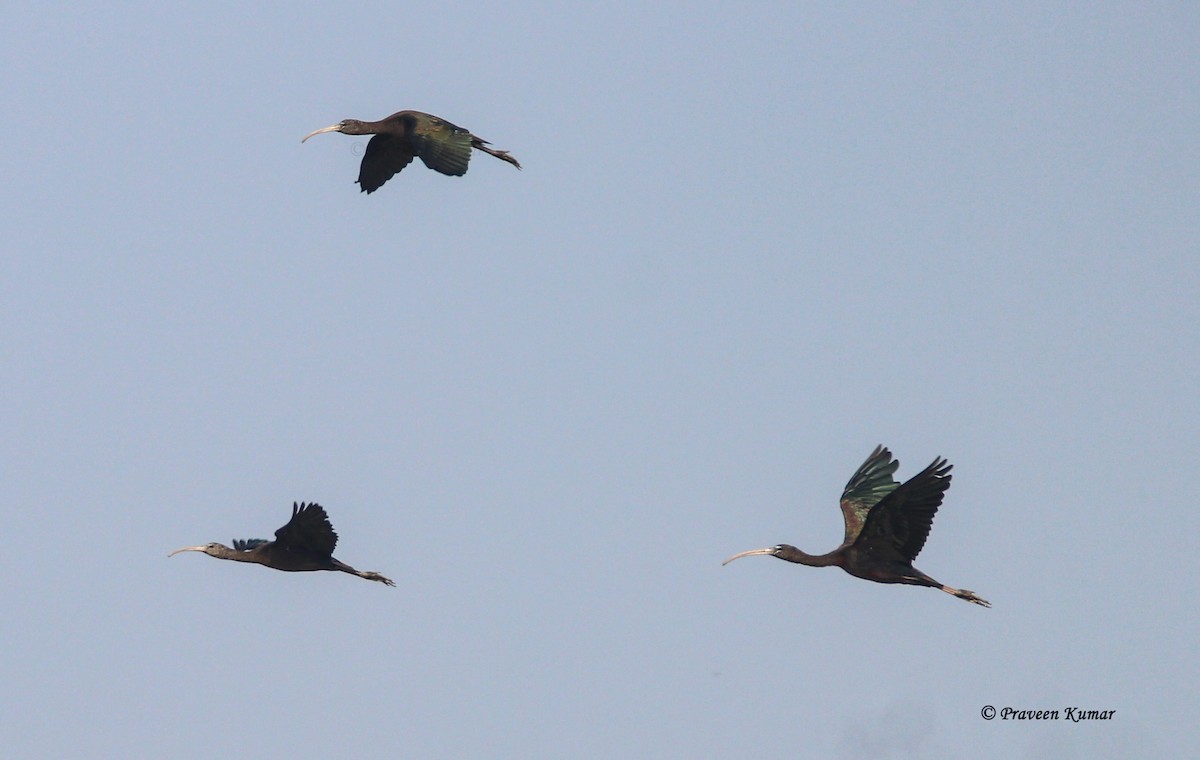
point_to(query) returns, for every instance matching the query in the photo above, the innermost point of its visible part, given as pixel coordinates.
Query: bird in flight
(444, 147)
(305, 543)
(886, 526)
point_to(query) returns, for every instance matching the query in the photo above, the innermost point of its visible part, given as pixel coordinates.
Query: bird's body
(442, 146)
(305, 544)
(886, 525)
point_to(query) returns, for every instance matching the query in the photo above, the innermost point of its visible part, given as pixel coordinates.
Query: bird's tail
(503, 155)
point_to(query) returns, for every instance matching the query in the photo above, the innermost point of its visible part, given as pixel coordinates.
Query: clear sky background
(749, 243)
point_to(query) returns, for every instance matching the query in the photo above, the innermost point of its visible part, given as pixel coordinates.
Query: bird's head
(772, 550)
(213, 550)
(346, 126)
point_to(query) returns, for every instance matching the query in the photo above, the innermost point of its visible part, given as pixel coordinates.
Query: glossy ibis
(305, 543)
(443, 147)
(886, 525)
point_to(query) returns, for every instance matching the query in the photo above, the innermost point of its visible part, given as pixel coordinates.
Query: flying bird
(305, 543)
(886, 526)
(444, 147)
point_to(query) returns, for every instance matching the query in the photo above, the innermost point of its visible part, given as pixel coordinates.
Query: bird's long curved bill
(187, 549)
(330, 128)
(750, 553)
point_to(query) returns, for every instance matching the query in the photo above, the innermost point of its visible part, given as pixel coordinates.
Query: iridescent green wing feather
(871, 483)
(443, 147)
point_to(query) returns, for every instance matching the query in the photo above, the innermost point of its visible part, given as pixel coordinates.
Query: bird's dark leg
(500, 154)
(919, 578)
(962, 593)
(371, 576)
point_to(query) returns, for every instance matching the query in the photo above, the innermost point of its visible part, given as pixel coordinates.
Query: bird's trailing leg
(388, 581)
(371, 576)
(921, 579)
(500, 154)
(962, 593)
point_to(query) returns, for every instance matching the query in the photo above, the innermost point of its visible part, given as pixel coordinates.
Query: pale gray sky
(750, 242)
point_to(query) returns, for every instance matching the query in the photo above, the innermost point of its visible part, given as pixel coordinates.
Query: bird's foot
(966, 595)
(970, 596)
(376, 577)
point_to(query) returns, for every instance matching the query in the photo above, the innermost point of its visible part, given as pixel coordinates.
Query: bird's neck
(792, 554)
(369, 128)
(237, 556)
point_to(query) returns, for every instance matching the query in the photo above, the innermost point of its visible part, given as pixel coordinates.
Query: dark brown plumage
(305, 543)
(443, 147)
(886, 525)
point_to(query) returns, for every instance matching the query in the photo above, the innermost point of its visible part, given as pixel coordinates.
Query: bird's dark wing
(247, 544)
(872, 482)
(385, 155)
(900, 522)
(443, 147)
(308, 531)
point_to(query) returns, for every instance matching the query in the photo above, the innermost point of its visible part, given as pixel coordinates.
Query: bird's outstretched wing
(308, 531)
(385, 155)
(248, 544)
(866, 487)
(900, 522)
(443, 147)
